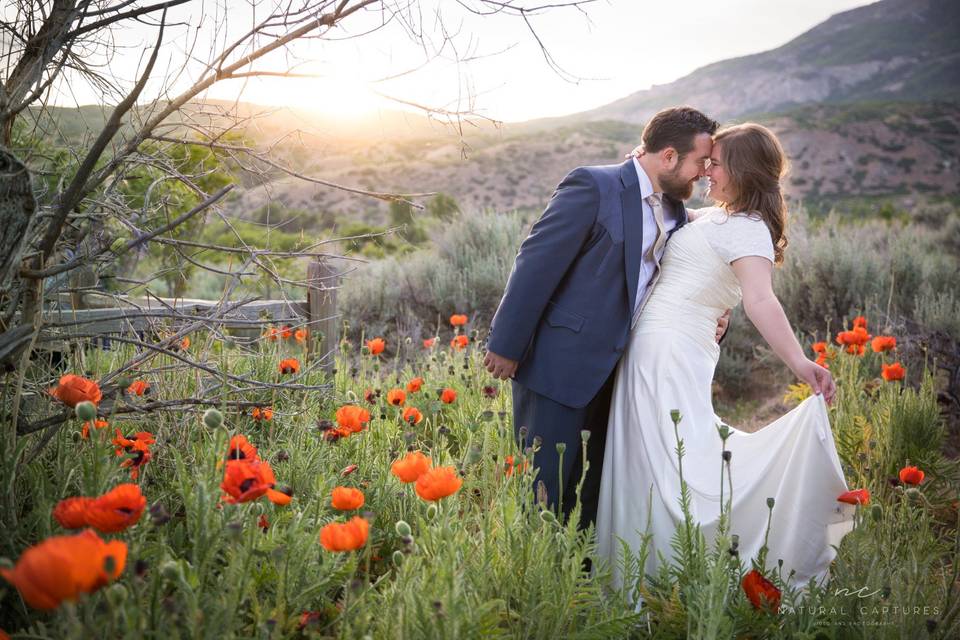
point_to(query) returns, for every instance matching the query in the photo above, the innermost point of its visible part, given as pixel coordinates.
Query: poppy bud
(770, 503)
(584, 435)
(282, 456)
(397, 557)
(727, 455)
(537, 441)
(877, 512)
(116, 594)
(172, 571)
(913, 493)
(403, 529)
(486, 416)
(86, 410)
(547, 516)
(431, 512)
(735, 540)
(724, 431)
(522, 432)
(407, 540)
(212, 418)
(541, 493)
(675, 416)
(561, 447)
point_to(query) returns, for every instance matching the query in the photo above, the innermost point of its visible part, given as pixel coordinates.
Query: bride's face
(720, 188)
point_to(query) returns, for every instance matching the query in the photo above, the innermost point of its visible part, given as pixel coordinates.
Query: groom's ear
(669, 157)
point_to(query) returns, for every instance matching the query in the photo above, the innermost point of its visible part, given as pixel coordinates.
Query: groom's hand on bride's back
(501, 368)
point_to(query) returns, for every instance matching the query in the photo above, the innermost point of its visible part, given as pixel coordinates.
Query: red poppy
(911, 475)
(448, 396)
(272, 334)
(458, 320)
(244, 480)
(893, 372)
(264, 414)
(883, 343)
(139, 456)
(117, 509)
(285, 332)
(289, 365)
(412, 415)
(519, 466)
(300, 335)
(429, 342)
(760, 591)
(98, 424)
(350, 536)
(346, 498)
(280, 497)
(241, 449)
(856, 496)
(71, 513)
(819, 347)
(138, 388)
(410, 467)
(459, 342)
(414, 385)
(73, 390)
(396, 397)
(376, 346)
(62, 567)
(860, 322)
(263, 523)
(351, 418)
(185, 343)
(438, 483)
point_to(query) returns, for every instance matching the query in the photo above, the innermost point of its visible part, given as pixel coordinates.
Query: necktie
(656, 203)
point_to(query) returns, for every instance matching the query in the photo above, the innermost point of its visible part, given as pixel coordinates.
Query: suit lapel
(632, 206)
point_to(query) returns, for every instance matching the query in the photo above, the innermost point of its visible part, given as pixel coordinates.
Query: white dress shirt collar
(646, 186)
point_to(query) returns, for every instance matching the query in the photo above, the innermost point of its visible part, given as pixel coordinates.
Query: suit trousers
(554, 423)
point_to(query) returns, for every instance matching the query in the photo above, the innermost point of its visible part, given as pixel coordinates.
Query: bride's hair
(755, 162)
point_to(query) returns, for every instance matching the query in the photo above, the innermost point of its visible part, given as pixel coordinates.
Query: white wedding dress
(670, 365)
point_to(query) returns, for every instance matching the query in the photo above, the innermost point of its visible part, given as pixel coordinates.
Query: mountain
(890, 50)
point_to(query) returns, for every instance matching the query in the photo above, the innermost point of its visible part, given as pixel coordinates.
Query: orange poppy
(71, 513)
(856, 496)
(140, 456)
(458, 319)
(185, 343)
(346, 498)
(893, 372)
(438, 483)
(760, 591)
(62, 567)
(244, 480)
(73, 390)
(860, 322)
(883, 343)
(300, 335)
(138, 387)
(289, 365)
(448, 396)
(414, 385)
(519, 466)
(286, 332)
(123, 442)
(819, 347)
(98, 424)
(911, 475)
(348, 536)
(376, 346)
(351, 418)
(396, 397)
(412, 415)
(410, 467)
(264, 414)
(280, 497)
(460, 342)
(429, 342)
(241, 449)
(116, 510)
(272, 334)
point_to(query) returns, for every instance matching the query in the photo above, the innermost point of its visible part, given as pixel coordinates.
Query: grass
(483, 562)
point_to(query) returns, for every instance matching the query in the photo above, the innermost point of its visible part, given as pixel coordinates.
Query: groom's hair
(676, 127)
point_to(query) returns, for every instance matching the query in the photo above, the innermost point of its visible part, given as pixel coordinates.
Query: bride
(726, 254)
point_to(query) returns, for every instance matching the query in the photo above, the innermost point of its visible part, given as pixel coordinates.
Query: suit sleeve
(544, 257)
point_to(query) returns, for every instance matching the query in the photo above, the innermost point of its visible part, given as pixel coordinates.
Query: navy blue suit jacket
(565, 314)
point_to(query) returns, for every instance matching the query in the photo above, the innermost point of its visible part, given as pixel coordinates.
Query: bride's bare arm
(765, 312)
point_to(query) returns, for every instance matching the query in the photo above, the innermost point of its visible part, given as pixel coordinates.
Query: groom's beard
(675, 186)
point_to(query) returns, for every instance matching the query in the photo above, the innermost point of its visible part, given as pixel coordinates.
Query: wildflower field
(387, 498)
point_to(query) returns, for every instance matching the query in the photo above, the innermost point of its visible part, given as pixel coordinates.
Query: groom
(579, 278)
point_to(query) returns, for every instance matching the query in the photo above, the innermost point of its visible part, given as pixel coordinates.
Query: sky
(492, 65)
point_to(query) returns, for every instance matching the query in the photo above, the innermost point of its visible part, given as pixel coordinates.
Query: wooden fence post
(322, 281)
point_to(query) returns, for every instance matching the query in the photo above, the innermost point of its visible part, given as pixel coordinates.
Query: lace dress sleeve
(736, 235)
